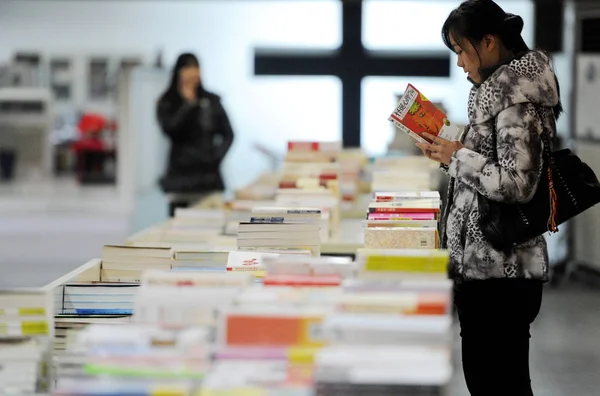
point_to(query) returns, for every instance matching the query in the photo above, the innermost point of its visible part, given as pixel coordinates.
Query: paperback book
(415, 115)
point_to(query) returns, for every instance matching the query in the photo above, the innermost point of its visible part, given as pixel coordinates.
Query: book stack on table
(353, 183)
(311, 178)
(26, 336)
(393, 335)
(197, 259)
(403, 220)
(314, 326)
(282, 229)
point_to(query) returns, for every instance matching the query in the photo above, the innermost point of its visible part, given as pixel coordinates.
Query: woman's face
(189, 76)
(471, 59)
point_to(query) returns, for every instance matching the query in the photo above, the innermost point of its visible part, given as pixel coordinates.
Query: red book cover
(415, 114)
(403, 210)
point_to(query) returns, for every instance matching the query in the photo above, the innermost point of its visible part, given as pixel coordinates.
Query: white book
(195, 279)
(240, 260)
(287, 210)
(288, 265)
(278, 235)
(277, 227)
(273, 242)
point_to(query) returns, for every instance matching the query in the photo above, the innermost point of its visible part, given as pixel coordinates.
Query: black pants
(495, 316)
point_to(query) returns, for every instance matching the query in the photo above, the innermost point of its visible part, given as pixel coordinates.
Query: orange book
(415, 114)
(271, 330)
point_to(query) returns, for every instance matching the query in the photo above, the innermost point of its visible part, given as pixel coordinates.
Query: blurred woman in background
(200, 133)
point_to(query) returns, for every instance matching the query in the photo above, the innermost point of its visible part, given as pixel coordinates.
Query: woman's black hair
(184, 60)
(474, 19)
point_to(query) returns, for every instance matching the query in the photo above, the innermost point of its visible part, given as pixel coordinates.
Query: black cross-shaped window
(351, 62)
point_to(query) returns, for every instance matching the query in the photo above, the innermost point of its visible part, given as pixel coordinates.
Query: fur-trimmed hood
(526, 79)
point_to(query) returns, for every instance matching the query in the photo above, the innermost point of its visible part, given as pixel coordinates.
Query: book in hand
(415, 115)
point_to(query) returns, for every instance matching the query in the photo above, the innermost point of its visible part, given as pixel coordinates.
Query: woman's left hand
(441, 150)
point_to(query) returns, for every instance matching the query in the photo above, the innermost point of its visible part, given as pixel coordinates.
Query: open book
(415, 114)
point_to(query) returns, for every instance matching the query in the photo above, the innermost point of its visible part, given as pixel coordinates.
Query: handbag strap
(549, 160)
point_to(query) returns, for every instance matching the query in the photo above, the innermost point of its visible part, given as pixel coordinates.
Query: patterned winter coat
(502, 160)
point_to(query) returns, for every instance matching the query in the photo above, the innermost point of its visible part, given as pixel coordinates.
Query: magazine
(415, 114)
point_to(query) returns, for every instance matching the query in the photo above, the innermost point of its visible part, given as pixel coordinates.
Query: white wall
(270, 110)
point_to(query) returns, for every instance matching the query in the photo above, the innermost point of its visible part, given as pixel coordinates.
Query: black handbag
(570, 188)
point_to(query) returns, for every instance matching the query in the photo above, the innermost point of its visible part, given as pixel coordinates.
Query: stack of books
(190, 259)
(171, 299)
(137, 360)
(314, 325)
(88, 303)
(240, 211)
(391, 333)
(26, 336)
(98, 298)
(308, 271)
(254, 260)
(311, 177)
(354, 185)
(281, 229)
(126, 263)
(67, 358)
(403, 220)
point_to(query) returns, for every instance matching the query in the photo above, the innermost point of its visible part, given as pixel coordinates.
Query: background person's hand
(441, 150)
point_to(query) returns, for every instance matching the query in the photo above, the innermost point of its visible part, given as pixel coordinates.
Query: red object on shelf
(91, 150)
(90, 128)
(302, 280)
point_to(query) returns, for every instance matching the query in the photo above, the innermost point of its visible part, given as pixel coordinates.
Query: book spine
(403, 210)
(267, 219)
(297, 184)
(104, 311)
(401, 216)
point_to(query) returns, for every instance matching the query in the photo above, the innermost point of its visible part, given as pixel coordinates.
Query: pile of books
(137, 360)
(403, 220)
(196, 259)
(240, 211)
(126, 263)
(26, 336)
(315, 325)
(281, 229)
(400, 315)
(355, 186)
(180, 299)
(311, 177)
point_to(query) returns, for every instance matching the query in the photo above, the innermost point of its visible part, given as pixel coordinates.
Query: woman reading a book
(515, 99)
(200, 133)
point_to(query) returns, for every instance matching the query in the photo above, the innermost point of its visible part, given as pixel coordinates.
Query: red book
(403, 210)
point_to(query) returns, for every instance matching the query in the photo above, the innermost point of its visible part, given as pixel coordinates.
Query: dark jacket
(200, 135)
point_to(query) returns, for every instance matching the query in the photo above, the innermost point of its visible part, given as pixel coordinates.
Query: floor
(48, 229)
(565, 346)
